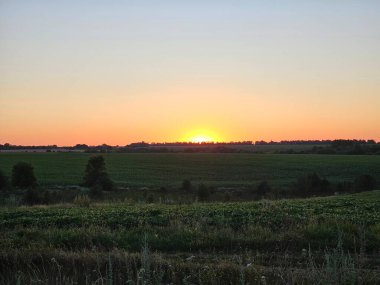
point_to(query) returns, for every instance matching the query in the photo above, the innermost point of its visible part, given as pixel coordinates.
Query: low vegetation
(256, 239)
(88, 234)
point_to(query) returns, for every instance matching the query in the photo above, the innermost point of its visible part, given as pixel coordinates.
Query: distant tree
(186, 185)
(263, 188)
(3, 181)
(23, 175)
(364, 183)
(96, 174)
(203, 192)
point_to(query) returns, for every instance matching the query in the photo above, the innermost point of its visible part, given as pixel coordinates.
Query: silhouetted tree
(364, 183)
(23, 175)
(96, 174)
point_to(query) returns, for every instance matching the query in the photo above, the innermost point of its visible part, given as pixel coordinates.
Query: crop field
(155, 170)
(198, 243)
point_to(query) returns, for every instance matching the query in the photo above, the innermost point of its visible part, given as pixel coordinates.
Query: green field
(214, 169)
(122, 225)
(288, 241)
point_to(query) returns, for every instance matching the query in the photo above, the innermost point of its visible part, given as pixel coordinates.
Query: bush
(227, 197)
(312, 184)
(344, 187)
(96, 191)
(3, 181)
(82, 200)
(46, 197)
(203, 193)
(364, 183)
(96, 174)
(150, 198)
(23, 175)
(186, 185)
(32, 197)
(263, 189)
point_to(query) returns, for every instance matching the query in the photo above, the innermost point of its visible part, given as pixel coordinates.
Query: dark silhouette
(263, 189)
(186, 185)
(364, 183)
(312, 184)
(203, 193)
(344, 187)
(23, 175)
(32, 197)
(96, 174)
(3, 181)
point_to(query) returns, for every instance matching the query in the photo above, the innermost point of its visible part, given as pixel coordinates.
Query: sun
(201, 139)
(201, 136)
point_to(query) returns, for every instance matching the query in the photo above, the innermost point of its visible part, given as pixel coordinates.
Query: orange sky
(123, 73)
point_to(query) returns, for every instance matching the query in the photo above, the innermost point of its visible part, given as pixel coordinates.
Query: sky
(118, 72)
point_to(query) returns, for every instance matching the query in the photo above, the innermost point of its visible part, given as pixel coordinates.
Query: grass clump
(82, 200)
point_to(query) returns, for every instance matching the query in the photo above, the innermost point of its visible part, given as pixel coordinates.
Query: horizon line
(246, 142)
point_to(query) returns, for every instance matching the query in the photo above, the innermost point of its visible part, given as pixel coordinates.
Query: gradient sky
(116, 72)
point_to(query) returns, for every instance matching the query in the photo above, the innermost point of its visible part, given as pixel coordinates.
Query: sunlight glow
(201, 136)
(201, 139)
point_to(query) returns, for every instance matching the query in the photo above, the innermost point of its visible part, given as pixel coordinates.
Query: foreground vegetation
(263, 242)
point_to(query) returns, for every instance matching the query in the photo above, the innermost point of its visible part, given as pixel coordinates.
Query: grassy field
(157, 170)
(288, 241)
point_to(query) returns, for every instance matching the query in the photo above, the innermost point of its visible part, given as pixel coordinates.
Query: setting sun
(201, 139)
(201, 136)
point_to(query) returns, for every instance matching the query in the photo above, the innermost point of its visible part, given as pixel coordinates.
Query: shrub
(96, 174)
(96, 191)
(312, 184)
(46, 197)
(203, 193)
(23, 175)
(364, 183)
(263, 189)
(32, 197)
(226, 197)
(186, 185)
(3, 181)
(82, 200)
(150, 198)
(344, 187)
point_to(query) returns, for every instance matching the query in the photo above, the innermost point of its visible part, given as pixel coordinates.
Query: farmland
(195, 242)
(124, 236)
(156, 170)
